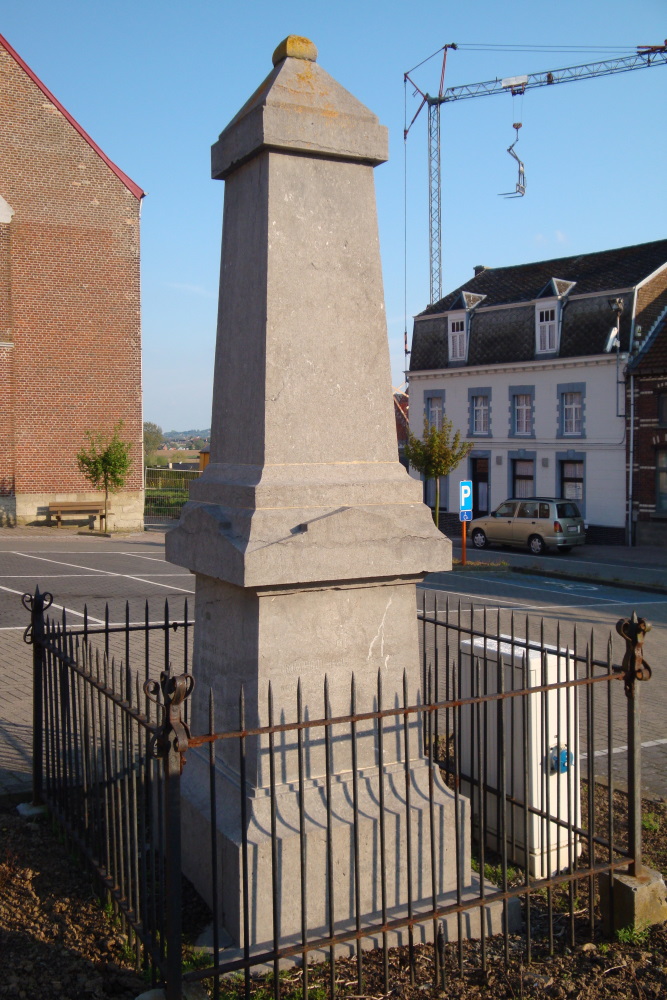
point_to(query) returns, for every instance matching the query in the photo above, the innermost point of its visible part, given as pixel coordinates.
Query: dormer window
(457, 337)
(548, 313)
(546, 323)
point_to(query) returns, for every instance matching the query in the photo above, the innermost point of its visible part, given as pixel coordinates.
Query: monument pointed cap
(300, 109)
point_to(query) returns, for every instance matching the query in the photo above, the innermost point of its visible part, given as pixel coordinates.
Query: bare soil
(57, 940)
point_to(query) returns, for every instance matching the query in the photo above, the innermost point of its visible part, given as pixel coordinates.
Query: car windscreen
(567, 510)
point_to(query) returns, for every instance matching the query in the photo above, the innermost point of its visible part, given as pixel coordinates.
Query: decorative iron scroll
(30, 603)
(173, 731)
(635, 667)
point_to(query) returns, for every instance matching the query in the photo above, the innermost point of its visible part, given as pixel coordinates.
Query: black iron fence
(470, 808)
(166, 491)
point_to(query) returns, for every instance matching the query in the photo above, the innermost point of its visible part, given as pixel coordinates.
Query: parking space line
(60, 607)
(105, 572)
(72, 576)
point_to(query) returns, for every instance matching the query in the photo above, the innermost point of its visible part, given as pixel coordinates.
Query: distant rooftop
(606, 270)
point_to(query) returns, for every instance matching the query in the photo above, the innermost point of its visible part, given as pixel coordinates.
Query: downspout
(631, 458)
(631, 450)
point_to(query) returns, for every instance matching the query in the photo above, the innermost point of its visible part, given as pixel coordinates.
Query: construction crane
(645, 57)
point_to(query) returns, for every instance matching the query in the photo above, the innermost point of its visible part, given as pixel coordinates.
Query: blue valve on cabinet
(560, 760)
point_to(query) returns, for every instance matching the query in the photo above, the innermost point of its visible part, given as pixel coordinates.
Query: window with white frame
(523, 477)
(523, 413)
(572, 480)
(457, 337)
(434, 411)
(480, 414)
(571, 403)
(546, 327)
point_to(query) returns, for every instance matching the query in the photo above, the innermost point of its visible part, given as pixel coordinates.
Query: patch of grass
(197, 960)
(481, 564)
(494, 873)
(633, 935)
(651, 822)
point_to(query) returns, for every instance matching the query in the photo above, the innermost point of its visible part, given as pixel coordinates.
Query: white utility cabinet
(541, 743)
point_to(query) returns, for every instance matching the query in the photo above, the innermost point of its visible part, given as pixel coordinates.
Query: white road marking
(60, 607)
(604, 753)
(104, 572)
(73, 576)
(600, 601)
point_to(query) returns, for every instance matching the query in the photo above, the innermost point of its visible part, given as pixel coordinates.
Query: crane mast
(645, 57)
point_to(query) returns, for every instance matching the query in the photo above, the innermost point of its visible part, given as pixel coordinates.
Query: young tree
(153, 438)
(437, 454)
(105, 462)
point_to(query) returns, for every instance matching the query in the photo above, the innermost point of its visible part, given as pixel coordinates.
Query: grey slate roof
(593, 272)
(508, 335)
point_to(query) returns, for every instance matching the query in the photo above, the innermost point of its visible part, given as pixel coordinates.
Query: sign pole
(465, 513)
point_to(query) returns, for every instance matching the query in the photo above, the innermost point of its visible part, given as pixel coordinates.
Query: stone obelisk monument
(305, 534)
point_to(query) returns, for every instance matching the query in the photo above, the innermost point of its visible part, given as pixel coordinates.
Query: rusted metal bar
(284, 727)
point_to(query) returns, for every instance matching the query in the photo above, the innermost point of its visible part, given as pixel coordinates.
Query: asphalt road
(532, 604)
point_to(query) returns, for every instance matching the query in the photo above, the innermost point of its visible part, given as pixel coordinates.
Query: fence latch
(173, 732)
(635, 667)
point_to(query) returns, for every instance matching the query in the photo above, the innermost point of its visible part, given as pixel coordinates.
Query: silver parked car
(538, 522)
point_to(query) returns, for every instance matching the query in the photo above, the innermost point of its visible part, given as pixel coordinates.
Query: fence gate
(511, 727)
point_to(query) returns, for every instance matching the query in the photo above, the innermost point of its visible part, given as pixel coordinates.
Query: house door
(480, 486)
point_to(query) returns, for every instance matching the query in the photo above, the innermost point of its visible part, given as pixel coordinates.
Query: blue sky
(155, 81)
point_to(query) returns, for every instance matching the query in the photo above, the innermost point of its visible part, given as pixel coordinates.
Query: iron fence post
(172, 826)
(635, 667)
(170, 743)
(37, 604)
(634, 781)
(37, 620)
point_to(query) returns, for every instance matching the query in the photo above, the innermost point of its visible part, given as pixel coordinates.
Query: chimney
(479, 268)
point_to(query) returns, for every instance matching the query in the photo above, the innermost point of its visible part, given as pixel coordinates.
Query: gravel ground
(57, 941)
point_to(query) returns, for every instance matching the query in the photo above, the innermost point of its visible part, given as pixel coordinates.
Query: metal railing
(506, 733)
(166, 491)
(95, 720)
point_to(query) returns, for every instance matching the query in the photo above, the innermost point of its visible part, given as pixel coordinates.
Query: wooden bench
(92, 508)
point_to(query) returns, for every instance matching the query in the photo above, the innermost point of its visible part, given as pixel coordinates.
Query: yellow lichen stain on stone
(295, 47)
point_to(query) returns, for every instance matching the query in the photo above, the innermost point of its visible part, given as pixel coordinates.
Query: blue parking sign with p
(465, 500)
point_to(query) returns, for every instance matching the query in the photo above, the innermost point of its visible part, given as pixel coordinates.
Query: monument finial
(295, 47)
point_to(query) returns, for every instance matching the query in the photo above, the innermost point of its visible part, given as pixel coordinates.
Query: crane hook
(520, 188)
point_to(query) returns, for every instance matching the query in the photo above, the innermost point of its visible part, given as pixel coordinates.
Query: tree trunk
(437, 502)
(106, 506)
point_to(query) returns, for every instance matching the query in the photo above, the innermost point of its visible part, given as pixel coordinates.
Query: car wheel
(479, 539)
(536, 545)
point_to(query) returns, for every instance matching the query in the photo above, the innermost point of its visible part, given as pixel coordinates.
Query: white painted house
(529, 363)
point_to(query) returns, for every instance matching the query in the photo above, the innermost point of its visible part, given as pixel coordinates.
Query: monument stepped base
(494, 923)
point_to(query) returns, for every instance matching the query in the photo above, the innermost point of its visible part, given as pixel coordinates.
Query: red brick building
(70, 332)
